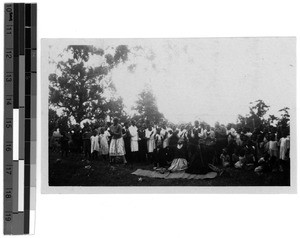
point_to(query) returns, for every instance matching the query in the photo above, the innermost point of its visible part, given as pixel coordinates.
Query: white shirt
(182, 133)
(133, 132)
(273, 145)
(150, 134)
(162, 132)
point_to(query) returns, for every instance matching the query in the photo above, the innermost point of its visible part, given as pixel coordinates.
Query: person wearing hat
(179, 162)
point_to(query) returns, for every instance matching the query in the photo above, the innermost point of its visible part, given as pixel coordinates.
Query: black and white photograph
(150, 118)
(170, 112)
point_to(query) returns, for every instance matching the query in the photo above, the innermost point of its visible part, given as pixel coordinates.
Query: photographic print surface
(169, 112)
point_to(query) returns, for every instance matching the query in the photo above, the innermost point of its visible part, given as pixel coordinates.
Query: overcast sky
(210, 79)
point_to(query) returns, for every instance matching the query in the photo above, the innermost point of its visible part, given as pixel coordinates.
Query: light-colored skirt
(134, 145)
(95, 144)
(151, 145)
(178, 164)
(117, 147)
(103, 146)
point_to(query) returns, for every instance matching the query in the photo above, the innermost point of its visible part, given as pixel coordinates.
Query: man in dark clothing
(142, 144)
(127, 139)
(172, 144)
(193, 137)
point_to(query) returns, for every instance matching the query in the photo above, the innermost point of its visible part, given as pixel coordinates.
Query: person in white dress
(95, 148)
(117, 147)
(273, 150)
(284, 146)
(150, 136)
(103, 141)
(134, 142)
(134, 137)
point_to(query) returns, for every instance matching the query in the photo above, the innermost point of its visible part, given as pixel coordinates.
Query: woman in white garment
(103, 141)
(134, 141)
(150, 136)
(284, 146)
(117, 148)
(95, 148)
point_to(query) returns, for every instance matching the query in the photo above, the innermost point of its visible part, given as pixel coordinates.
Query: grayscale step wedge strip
(8, 114)
(33, 104)
(27, 117)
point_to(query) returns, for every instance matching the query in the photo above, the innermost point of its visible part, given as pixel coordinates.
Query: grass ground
(75, 171)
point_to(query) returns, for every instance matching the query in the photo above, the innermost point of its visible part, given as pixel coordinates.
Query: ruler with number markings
(20, 24)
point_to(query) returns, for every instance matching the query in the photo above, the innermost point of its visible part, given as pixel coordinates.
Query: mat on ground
(176, 175)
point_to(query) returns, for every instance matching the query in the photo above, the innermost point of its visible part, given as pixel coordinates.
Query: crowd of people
(196, 149)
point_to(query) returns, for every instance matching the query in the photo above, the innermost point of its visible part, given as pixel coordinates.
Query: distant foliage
(256, 117)
(146, 106)
(284, 120)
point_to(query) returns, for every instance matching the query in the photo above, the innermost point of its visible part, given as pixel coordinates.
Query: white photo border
(46, 189)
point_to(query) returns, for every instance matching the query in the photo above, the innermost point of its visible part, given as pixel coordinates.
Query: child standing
(103, 142)
(273, 150)
(95, 145)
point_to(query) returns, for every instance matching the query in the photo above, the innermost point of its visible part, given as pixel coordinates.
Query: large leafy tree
(76, 89)
(147, 108)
